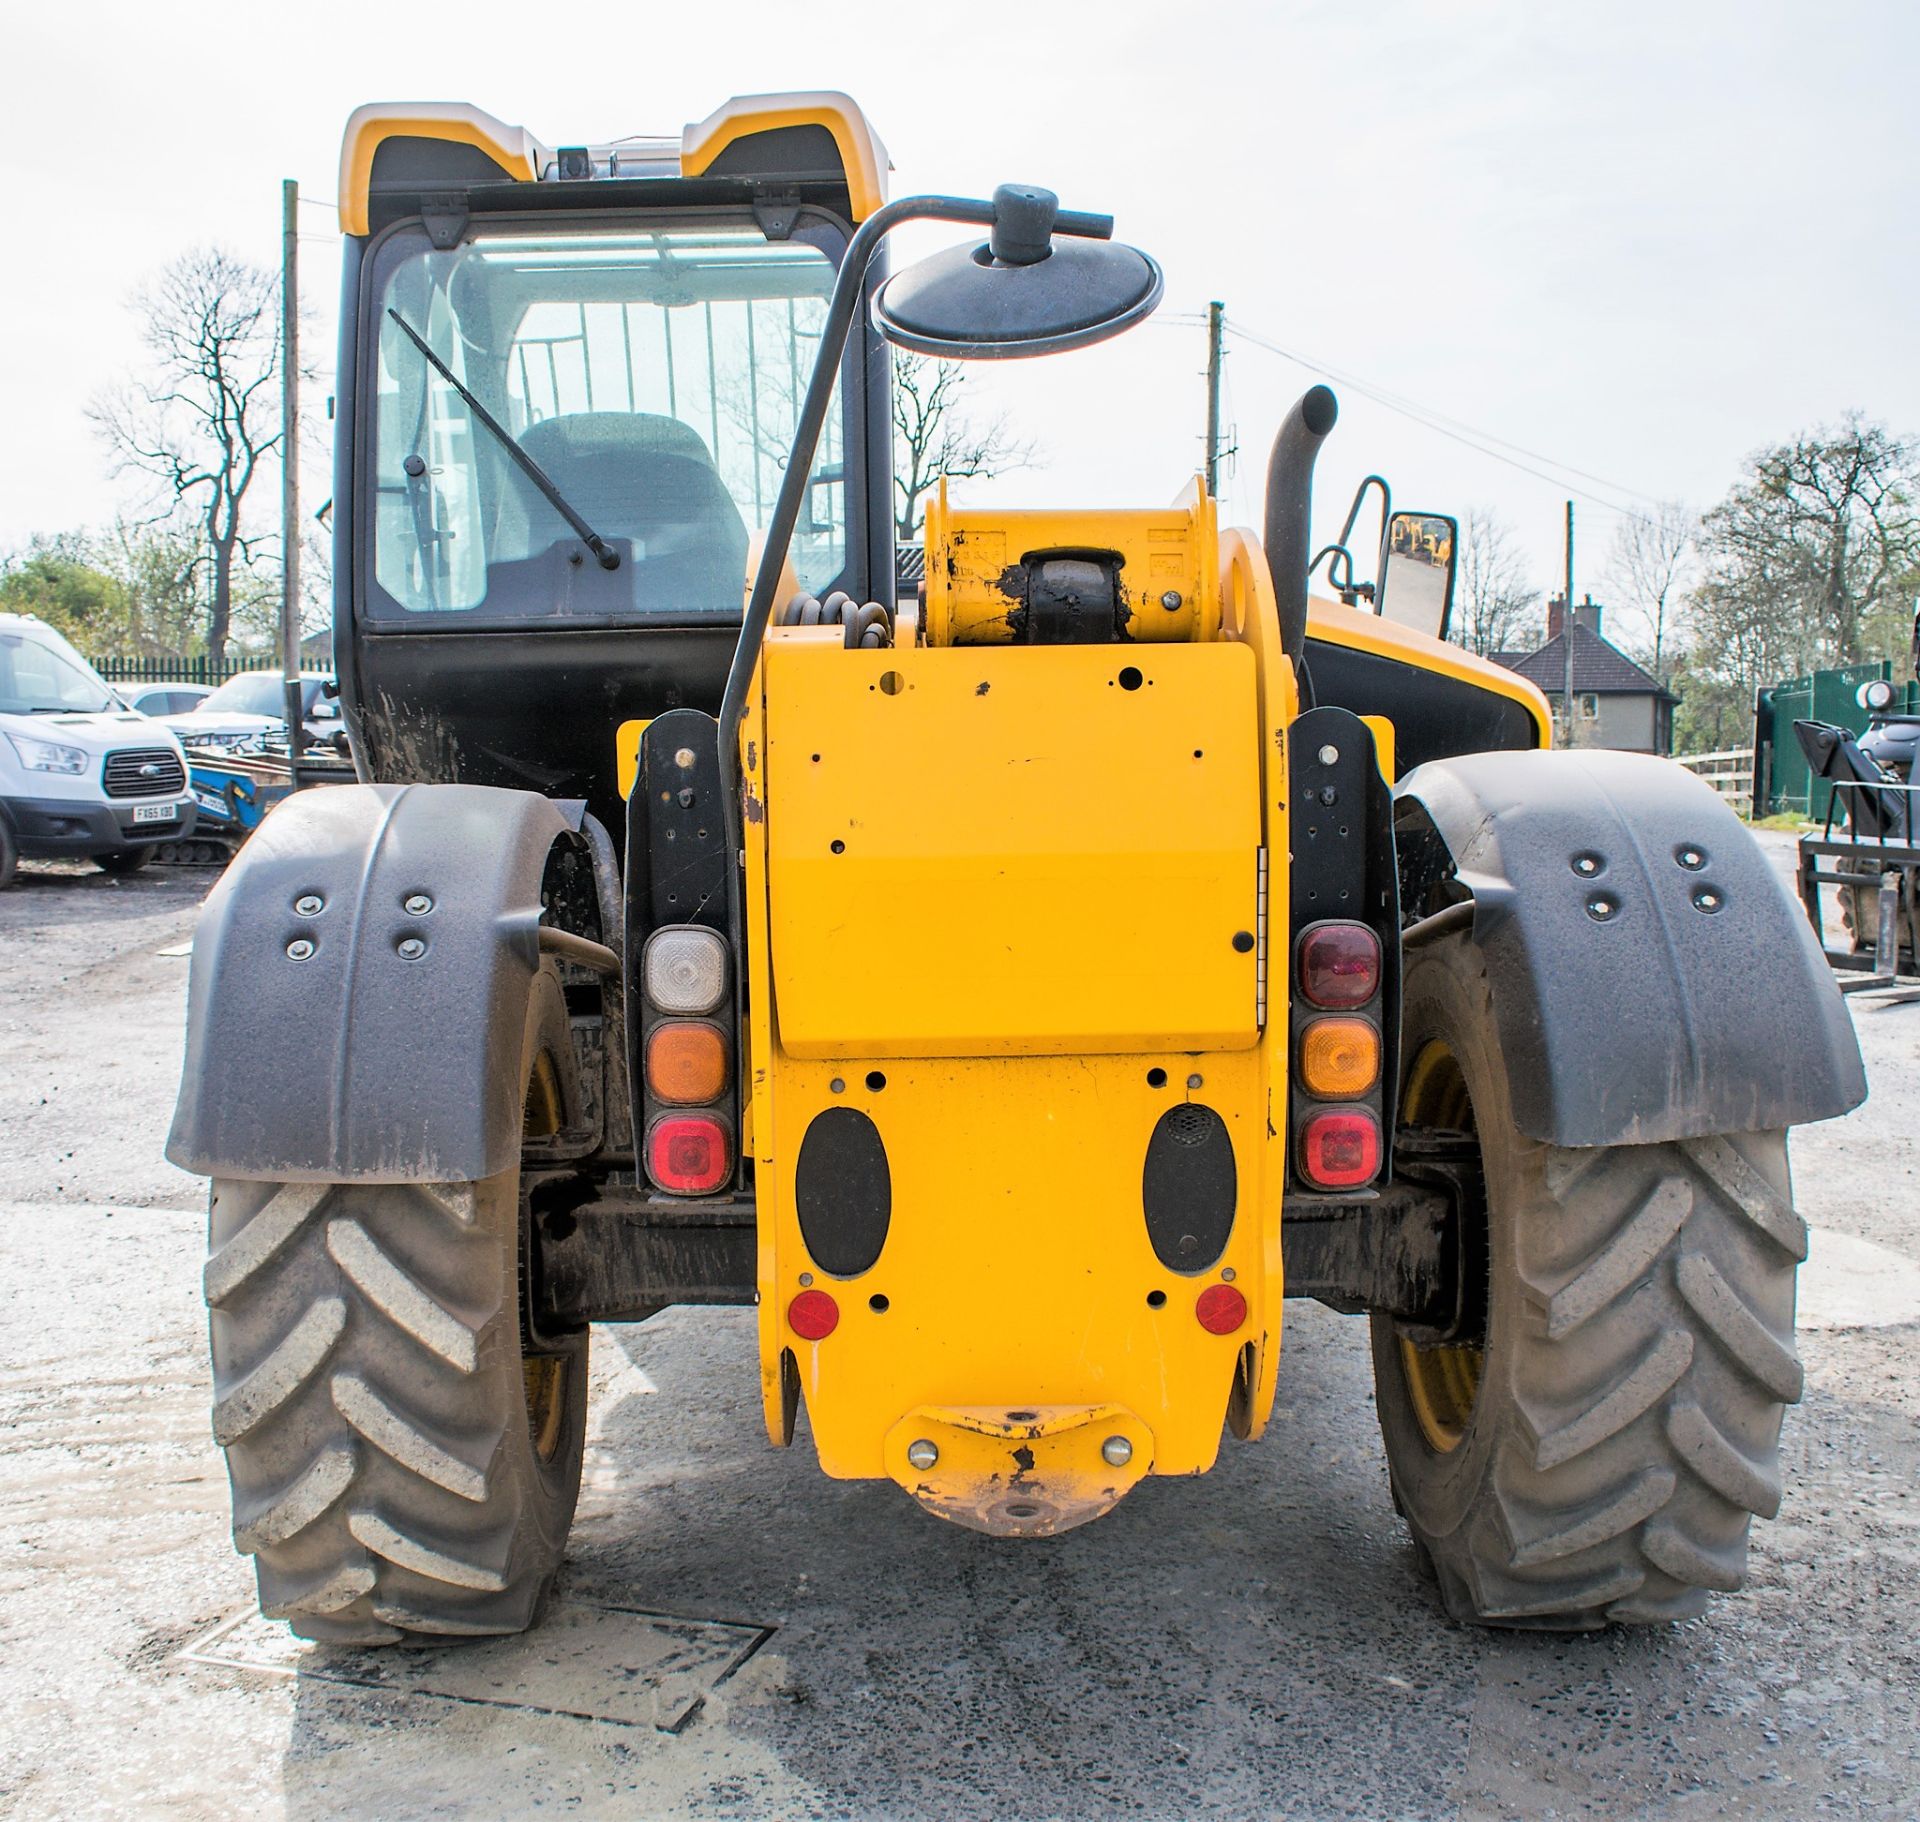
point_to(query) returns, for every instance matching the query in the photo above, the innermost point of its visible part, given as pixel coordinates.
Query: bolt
(1227, 1274)
(1194, 1081)
(1586, 865)
(1171, 601)
(1328, 795)
(1691, 858)
(412, 948)
(922, 1454)
(1116, 1451)
(686, 799)
(309, 904)
(1706, 898)
(683, 758)
(418, 904)
(806, 1278)
(1329, 755)
(1600, 909)
(299, 949)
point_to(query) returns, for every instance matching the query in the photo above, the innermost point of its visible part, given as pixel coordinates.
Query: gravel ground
(1254, 1643)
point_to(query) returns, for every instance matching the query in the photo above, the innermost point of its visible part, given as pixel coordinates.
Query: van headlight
(46, 756)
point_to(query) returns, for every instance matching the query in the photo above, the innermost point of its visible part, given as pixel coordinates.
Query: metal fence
(179, 670)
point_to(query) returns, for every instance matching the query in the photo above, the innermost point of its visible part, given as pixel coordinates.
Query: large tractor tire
(404, 1451)
(1598, 1452)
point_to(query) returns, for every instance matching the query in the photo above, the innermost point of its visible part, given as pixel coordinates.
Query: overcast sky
(1640, 237)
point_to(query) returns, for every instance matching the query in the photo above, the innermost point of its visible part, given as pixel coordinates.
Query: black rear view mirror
(1027, 289)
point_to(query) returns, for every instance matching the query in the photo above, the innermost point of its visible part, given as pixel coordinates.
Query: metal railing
(180, 670)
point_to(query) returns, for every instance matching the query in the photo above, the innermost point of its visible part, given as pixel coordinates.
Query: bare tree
(1648, 566)
(1495, 601)
(208, 413)
(935, 439)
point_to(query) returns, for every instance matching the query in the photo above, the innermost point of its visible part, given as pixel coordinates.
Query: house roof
(1599, 669)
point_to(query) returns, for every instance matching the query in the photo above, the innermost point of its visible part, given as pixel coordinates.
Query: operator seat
(650, 479)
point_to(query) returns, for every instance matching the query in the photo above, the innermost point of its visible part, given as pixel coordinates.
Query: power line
(1484, 442)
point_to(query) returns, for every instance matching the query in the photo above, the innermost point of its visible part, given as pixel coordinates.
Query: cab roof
(815, 143)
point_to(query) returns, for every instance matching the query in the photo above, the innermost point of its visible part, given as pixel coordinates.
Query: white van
(79, 773)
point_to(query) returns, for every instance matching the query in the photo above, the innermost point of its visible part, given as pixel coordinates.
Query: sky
(1624, 244)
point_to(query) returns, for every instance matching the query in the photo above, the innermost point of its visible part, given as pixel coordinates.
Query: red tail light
(1339, 965)
(813, 1315)
(1340, 1148)
(688, 1154)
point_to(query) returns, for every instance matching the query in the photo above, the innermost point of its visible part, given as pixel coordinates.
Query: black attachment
(1072, 597)
(843, 1191)
(1188, 1187)
(1289, 522)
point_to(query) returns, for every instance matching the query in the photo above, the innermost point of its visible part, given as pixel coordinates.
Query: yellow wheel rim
(545, 1375)
(1443, 1382)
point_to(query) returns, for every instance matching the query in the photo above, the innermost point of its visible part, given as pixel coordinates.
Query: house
(1616, 703)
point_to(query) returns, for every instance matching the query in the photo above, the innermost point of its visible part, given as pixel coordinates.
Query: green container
(1824, 696)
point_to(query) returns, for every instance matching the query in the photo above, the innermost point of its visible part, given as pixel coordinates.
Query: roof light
(1339, 965)
(685, 969)
(1340, 1148)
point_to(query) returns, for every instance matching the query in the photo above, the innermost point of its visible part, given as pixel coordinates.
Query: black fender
(1652, 979)
(357, 1063)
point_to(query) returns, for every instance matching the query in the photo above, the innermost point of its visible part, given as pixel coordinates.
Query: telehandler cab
(1013, 988)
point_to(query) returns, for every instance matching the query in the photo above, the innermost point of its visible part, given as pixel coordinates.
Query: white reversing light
(685, 969)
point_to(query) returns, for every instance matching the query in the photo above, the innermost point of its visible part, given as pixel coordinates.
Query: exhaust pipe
(1289, 527)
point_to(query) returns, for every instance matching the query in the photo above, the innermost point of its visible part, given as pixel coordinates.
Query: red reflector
(1220, 1309)
(688, 1154)
(1339, 965)
(1340, 1149)
(813, 1315)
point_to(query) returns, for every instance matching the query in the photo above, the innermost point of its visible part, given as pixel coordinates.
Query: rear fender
(1641, 996)
(356, 1063)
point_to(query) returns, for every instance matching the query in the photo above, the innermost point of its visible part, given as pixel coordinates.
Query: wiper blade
(609, 557)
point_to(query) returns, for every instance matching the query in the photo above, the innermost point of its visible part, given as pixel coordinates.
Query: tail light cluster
(687, 1064)
(1338, 1051)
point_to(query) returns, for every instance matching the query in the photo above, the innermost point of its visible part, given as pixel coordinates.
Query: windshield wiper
(609, 557)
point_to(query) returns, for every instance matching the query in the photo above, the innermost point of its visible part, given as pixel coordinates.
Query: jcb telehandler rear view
(1014, 988)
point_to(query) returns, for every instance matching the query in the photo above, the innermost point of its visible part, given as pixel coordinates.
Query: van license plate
(156, 812)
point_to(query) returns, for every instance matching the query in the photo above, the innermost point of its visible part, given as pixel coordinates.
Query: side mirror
(1035, 286)
(1416, 571)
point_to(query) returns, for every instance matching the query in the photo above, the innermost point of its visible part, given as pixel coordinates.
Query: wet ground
(738, 1636)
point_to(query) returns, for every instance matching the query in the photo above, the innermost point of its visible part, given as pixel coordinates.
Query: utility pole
(290, 467)
(1566, 636)
(1216, 320)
